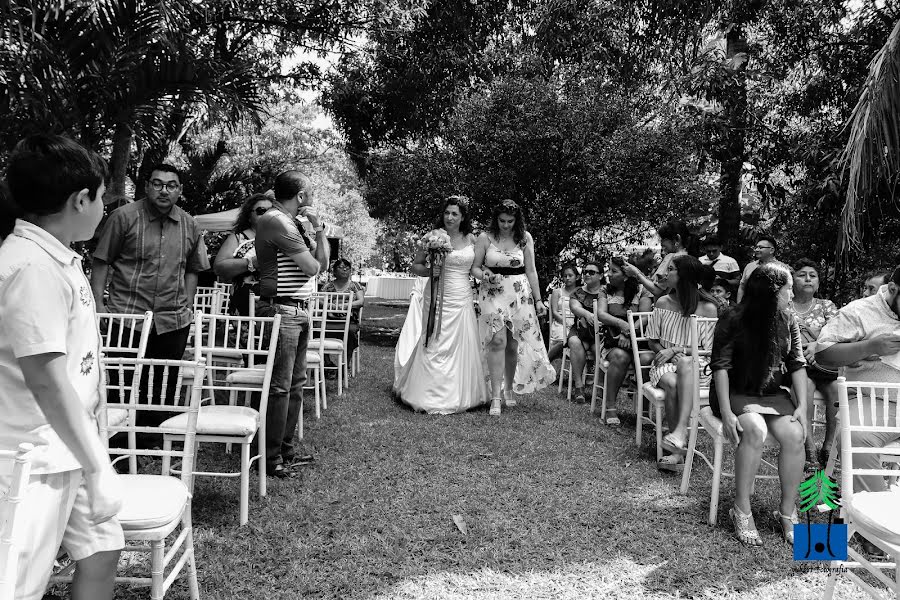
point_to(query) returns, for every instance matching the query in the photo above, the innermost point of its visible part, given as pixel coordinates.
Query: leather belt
(507, 270)
(287, 301)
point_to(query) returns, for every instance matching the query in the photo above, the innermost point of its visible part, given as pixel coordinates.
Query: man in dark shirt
(288, 264)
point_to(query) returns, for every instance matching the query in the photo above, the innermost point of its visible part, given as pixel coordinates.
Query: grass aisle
(555, 506)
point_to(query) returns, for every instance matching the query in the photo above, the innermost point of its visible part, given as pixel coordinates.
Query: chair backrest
(336, 307)
(637, 329)
(701, 327)
(208, 300)
(878, 416)
(598, 330)
(125, 334)
(11, 532)
(318, 316)
(231, 344)
(183, 401)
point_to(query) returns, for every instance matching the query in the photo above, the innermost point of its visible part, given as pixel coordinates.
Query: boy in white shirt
(50, 372)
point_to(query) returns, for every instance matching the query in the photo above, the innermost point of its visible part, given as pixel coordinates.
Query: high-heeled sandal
(744, 527)
(495, 407)
(786, 523)
(509, 398)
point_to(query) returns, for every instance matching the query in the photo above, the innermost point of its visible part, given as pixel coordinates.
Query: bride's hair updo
(508, 207)
(465, 225)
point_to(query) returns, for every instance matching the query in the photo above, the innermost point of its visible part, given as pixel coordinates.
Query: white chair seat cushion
(151, 501)
(116, 416)
(246, 377)
(332, 345)
(219, 420)
(878, 512)
(313, 358)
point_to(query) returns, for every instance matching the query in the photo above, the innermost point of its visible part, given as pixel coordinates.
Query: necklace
(809, 307)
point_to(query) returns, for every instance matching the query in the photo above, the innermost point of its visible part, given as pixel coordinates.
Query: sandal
(673, 463)
(579, 397)
(613, 421)
(672, 443)
(509, 398)
(495, 407)
(744, 527)
(787, 522)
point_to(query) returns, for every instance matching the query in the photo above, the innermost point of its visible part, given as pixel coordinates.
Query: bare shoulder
(705, 308)
(666, 302)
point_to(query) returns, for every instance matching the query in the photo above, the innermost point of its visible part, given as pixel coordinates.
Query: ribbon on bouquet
(436, 305)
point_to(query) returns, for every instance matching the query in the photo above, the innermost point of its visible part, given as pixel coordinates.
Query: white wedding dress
(448, 375)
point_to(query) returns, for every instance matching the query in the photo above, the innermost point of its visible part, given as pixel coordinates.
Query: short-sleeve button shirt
(149, 253)
(46, 307)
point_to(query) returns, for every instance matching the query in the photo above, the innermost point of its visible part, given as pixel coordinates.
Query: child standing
(50, 369)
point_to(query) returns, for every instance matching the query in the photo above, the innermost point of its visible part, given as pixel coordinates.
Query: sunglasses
(260, 210)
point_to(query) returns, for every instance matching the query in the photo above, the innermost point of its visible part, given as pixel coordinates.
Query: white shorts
(55, 513)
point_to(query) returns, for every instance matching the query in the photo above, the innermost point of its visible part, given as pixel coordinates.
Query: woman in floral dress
(508, 296)
(811, 314)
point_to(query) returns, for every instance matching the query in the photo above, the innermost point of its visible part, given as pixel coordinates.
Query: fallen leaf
(460, 524)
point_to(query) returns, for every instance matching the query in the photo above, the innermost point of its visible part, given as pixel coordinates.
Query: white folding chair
(565, 372)
(246, 340)
(208, 300)
(874, 515)
(354, 360)
(336, 306)
(601, 365)
(315, 355)
(702, 415)
(11, 532)
(155, 506)
(123, 335)
(637, 329)
(226, 289)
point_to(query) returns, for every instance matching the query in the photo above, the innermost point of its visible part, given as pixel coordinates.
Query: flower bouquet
(437, 244)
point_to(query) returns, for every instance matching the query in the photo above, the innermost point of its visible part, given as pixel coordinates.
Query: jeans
(288, 379)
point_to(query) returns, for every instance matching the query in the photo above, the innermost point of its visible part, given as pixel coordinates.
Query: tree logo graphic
(820, 541)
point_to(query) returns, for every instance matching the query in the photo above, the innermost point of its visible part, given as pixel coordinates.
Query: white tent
(224, 221)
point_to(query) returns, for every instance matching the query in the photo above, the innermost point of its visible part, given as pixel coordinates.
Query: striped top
(278, 238)
(672, 328)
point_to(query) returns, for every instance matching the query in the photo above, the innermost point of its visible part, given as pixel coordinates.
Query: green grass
(555, 504)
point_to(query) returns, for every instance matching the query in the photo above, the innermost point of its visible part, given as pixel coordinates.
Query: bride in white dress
(446, 376)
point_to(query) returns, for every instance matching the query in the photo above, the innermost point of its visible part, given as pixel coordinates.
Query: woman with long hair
(811, 314)
(508, 296)
(236, 260)
(621, 294)
(444, 373)
(559, 298)
(757, 353)
(676, 240)
(669, 335)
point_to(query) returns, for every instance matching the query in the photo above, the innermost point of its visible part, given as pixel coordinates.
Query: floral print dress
(509, 304)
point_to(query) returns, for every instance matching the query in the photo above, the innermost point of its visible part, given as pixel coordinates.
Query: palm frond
(872, 155)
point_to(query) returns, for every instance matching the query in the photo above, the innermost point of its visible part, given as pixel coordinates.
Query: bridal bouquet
(436, 241)
(437, 244)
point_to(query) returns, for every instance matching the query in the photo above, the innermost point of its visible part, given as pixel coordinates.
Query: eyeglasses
(591, 272)
(758, 247)
(260, 210)
(171, 186)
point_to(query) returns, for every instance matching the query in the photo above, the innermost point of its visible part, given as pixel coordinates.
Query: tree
(819, 489)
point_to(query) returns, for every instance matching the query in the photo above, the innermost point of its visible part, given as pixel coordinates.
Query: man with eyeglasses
(151, 251)
(764, 253)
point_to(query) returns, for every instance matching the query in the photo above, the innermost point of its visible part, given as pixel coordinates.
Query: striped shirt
(149, 254)
(671, 328)
(278, 238)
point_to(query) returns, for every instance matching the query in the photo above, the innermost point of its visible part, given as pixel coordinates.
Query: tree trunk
(118, 162)
(734, 151)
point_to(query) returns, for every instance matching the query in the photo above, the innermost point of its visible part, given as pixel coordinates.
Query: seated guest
(621, 294)
(236, 260)
(725, 267)
(669, 336)
(707, 281)
(559, 297)
(811, 314)
(874, 281)
(721, 291)
(864, 338)
(341, 270)
(581, 335)
(756, 354)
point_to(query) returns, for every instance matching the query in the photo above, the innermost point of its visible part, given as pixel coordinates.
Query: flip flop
(673, 444)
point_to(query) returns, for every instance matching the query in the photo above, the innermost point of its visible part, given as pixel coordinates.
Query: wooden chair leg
(245, 482)
(157, 556)
(689, 457)
(324, 392)
(639, 413)
(193, 585)
(562, 371)
(659, 427)
(261, 442)
(318, 394)
(716, 481)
